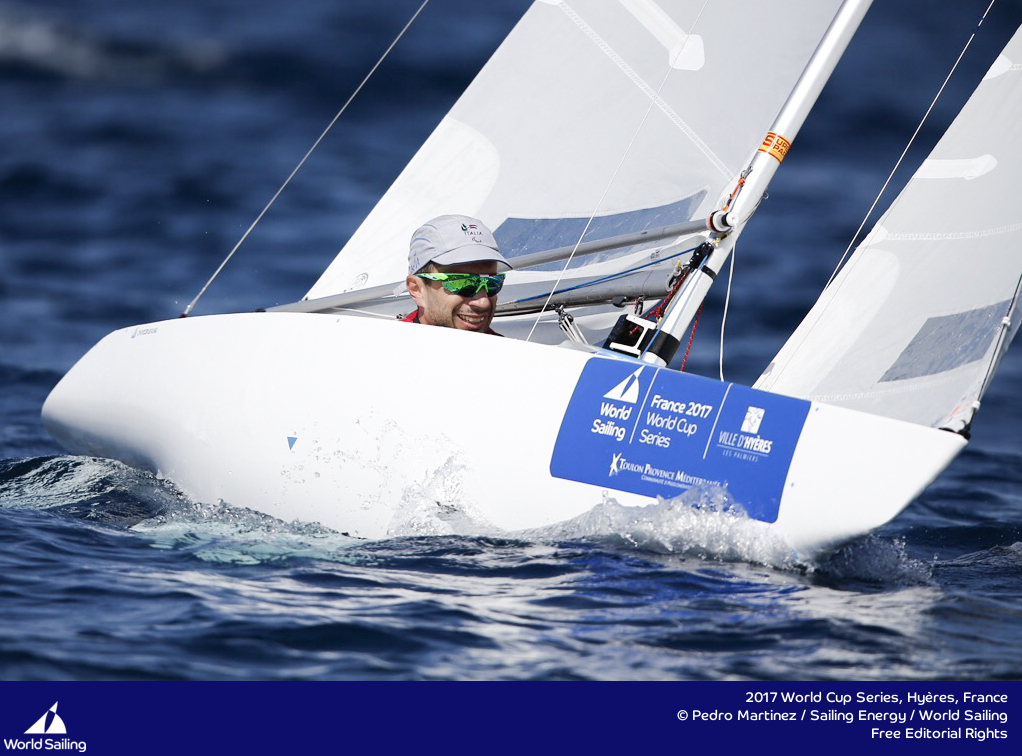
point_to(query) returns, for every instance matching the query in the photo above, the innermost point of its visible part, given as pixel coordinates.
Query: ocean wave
(86, 488)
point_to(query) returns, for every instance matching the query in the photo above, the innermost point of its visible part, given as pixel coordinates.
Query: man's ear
(414, 286)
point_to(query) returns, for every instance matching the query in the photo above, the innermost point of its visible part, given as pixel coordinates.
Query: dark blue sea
(138, 140)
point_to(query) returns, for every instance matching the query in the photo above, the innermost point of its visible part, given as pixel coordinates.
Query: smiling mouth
(472, 320)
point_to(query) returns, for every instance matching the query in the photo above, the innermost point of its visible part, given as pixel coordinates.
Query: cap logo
(439, 241)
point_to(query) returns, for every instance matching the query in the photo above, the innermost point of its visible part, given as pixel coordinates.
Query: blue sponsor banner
(341, 717)
(658, 432)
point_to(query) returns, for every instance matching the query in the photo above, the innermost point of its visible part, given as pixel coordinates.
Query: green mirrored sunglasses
(467, 284)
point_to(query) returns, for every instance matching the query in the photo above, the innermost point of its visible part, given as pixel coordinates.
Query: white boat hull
(341, 420)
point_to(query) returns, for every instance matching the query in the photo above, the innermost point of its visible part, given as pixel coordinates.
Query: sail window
(948, 341)
(521, 236)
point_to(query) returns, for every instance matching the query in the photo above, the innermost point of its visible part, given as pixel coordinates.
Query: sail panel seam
(955, 235)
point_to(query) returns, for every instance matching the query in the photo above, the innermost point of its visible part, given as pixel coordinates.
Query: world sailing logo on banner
(627, 390)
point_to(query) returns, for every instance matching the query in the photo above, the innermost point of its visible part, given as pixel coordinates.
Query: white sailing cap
(452, 239)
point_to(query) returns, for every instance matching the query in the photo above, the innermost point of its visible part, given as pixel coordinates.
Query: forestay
(637, 113)
(918, 318)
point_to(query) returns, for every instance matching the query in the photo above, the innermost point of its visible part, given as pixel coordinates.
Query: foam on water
(704, 522)
(437, 507)
(222, 533)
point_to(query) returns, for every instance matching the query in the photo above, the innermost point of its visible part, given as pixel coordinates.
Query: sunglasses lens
(469, 284)
(461, 286)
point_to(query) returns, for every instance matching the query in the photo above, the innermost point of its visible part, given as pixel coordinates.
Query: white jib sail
(914, 322)
(554, 129)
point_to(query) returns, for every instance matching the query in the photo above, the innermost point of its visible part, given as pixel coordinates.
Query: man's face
(442, 308)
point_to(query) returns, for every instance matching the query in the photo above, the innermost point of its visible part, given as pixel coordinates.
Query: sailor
(454, 273)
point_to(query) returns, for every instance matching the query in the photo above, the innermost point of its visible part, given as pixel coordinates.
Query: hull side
(354, 423)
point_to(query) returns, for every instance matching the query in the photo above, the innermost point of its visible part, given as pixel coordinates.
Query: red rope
(692, 335)
(657, 312)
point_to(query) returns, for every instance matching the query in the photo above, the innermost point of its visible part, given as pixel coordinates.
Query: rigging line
(610, 183)
(592, 217)
(301, 162)
(911, 141)
(727, 303)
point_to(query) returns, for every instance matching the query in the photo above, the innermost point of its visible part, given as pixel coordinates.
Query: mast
(748, 190)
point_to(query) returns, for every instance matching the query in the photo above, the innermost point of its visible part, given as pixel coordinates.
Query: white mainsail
(537, 144)
(920, 315)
